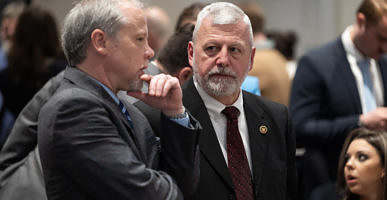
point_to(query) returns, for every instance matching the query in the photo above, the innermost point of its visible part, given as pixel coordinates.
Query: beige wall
(315, 21)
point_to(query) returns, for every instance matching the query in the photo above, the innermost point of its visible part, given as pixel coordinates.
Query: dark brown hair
(373, 10)
(189, 13)
(378, 139)
(36, 39)
(255, 14)
(174, 55)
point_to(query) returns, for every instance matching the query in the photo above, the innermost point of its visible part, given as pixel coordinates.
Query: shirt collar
(349, 46)
(108, 90)
(214, 105)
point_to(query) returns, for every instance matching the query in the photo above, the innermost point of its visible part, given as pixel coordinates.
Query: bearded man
(247, 148)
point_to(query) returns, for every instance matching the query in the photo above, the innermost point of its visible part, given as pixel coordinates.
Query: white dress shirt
(219, 121)
(354, 55)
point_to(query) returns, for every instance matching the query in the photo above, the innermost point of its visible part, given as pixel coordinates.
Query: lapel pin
(263, 129)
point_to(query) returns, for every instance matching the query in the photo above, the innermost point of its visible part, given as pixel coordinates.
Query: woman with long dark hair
(362, 166)
(33, 58)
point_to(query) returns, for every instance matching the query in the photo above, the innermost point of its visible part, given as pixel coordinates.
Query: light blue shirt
(251, 84)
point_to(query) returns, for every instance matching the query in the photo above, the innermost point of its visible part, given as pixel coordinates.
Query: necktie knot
(231, 112)
(125, 112)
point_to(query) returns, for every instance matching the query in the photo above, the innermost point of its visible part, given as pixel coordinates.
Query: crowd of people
(112, 108)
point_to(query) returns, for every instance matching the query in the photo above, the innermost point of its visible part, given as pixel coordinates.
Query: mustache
(222, 71)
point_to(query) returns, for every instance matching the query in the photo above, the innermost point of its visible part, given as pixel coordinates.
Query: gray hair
(223, 13)
(84, 18)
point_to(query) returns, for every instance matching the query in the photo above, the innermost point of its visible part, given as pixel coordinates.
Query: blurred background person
(158, 24)
(269, 65)
(173, 57)
(285, 42)
(34, 57)
(189, 14)
(9, 17)
(337, 88)
(362, 166)
(172, 60)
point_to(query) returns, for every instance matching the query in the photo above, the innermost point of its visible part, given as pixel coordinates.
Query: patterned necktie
(369, 97)
(236, 156)
(125, 112)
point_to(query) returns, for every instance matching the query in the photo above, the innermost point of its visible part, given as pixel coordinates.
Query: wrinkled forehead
(210, 27)
(132, 13)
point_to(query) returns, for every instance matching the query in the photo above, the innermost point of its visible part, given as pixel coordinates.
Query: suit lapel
(137, 134)
(383, 71)
(209, 145)
(256, 119)
(84, 81)
(348, 78)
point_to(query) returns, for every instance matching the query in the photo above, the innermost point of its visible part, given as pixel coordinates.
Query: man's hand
(376, 119)
(164, 93)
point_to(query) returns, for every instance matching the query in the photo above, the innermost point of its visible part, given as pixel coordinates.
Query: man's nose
(223, 57)
(149, 53)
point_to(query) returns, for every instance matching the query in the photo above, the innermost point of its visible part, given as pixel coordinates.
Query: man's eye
(235, 50)
(211, 48)
(140, 39)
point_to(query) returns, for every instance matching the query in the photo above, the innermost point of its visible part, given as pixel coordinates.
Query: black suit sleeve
(23, 137)
(89, 149)
(180, 154)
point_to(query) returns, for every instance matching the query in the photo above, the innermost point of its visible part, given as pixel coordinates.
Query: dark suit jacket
(21, 176)
(274, 173)
(325, 104)
(89, 151)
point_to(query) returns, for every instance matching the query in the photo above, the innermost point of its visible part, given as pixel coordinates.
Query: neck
(97, 71)
(371, 197)
(357, 39)
(227, 100)
(375, 194)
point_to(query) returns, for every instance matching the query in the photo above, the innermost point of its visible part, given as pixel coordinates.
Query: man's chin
(135, 86)
(219, 89)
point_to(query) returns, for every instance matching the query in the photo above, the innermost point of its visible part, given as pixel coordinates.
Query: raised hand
(164, 93)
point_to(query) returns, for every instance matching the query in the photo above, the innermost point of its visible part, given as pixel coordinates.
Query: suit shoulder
(68, 96)
(327, 49)
(268, 105)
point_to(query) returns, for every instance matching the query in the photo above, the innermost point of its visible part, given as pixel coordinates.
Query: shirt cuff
(184, 121)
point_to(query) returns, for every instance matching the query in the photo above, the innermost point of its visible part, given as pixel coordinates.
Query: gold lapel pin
(263, 129)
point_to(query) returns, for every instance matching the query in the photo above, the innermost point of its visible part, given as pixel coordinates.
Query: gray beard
(218, 86)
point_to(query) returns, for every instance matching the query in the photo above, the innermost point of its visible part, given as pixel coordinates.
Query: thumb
(146, 77)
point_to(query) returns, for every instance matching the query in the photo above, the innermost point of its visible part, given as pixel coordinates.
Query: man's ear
(185, 74)
(252, 59)
(99, 41)
(361, 21)
(190, 50)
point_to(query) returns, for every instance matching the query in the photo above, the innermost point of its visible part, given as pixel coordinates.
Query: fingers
(161, 84)
(376, 119)
(169, 85)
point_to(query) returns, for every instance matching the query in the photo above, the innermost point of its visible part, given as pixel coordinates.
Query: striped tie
(125, 112)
